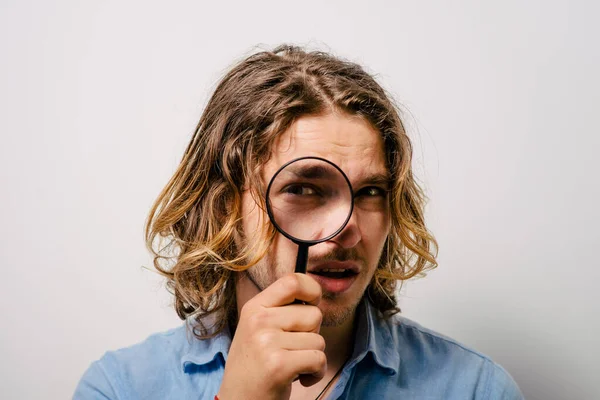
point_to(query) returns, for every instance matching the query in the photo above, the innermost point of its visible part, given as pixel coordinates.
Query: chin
(335, 311)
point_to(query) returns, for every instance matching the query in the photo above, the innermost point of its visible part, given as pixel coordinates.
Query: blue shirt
(392, 359)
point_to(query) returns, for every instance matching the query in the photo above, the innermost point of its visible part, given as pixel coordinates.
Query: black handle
(302, 258)
(301, 261)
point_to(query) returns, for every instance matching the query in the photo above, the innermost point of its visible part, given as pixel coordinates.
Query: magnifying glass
(309, 201)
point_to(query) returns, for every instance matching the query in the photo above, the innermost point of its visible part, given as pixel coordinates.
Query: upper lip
(335, 265)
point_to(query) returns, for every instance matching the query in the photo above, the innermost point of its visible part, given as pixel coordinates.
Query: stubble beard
(263, 274)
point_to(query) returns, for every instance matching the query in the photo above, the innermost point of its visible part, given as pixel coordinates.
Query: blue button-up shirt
(392, 359)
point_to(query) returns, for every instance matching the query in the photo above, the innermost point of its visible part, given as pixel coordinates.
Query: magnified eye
(300, 190)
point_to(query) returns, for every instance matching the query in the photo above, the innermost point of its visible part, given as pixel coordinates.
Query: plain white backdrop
(99, 99)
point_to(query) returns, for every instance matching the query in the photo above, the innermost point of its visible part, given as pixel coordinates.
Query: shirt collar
(372, 336)
(201, 352)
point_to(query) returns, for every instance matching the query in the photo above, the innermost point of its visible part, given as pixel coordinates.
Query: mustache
(338, 254)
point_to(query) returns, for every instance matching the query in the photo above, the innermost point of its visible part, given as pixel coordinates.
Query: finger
(306, 362)
(289, 288)
(300, 341)
(296, 318)
(309, 380)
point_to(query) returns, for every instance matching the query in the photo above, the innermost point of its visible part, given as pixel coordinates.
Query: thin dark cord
(331, 381)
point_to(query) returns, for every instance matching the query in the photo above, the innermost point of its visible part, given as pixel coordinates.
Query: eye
(371, 198)
(371, 191)
(300, 190)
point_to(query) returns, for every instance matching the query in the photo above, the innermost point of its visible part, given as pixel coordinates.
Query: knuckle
(316, 315)
(275, 364)
(320, 358)
(319, 292)
(266, 339)
(320, 342)
(258, 319)
(318, 289)
(291, 283)
(244, 311)
(247, 310)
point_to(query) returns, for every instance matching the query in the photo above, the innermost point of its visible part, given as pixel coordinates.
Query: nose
(350, 235)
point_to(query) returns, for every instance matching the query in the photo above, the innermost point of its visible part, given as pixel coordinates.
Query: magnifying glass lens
(310, 199)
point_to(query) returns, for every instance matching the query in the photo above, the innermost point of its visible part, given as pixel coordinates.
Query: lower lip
(334, 285)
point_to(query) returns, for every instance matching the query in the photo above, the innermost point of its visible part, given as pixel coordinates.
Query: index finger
(291, 287)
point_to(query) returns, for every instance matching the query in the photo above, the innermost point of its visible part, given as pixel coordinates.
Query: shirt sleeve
(500, 385)
(95, 385)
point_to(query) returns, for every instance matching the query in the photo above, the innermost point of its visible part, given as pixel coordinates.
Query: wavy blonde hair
(192, 227)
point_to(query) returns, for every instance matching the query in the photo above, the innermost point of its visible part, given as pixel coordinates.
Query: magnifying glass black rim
(284, 233)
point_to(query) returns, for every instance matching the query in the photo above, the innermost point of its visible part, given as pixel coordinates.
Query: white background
(98, 101)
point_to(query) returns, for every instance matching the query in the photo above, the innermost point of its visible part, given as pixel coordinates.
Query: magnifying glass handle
(302, 258)
(301, 261)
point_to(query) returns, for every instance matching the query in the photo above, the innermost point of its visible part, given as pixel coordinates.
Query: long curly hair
(192, 227)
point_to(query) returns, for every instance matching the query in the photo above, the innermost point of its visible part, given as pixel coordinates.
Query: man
(261, 331)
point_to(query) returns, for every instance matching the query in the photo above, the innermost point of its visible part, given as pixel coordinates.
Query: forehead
(346, 140)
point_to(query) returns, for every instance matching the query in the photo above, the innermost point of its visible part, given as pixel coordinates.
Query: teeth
(332, 270)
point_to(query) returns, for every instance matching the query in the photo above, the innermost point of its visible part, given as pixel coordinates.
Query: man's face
(357, 148)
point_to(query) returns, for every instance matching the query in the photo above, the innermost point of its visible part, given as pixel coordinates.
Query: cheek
(251, 216)
(374, 234)
(253, 228)
(283, 253)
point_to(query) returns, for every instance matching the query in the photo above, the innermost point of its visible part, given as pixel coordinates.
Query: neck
(338, 342)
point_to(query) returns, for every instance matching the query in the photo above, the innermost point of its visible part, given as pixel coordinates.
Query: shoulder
(144, 364)
(163, 349)
(440, 355)
(419, 339)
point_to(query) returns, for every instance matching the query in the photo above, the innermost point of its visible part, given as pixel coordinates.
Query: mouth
(335, 277)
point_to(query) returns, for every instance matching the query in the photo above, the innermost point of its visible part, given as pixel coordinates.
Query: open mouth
(334, 273)
(335, 280)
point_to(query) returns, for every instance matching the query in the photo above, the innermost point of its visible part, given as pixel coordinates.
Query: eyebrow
(317, 171)
(380, 179)
(314, 172)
